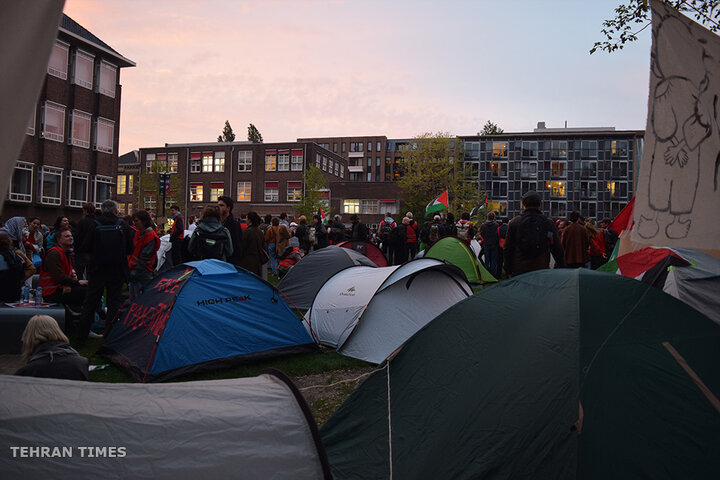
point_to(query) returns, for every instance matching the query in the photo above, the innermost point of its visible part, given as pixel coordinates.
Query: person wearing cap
(531, 239)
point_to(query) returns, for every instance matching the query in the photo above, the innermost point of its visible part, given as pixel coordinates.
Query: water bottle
(38, 296)
(25, 294)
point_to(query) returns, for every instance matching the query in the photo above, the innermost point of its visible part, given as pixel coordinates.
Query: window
(369, 163)
(130, 208)
(500, 149)
(616, 207)
(270, 160)
(53, 125)
(526, 187)
(378, 146)
(272, 191)
(588, 149)
(342, 171)
(558, 209)
(470, 170)
(84, 69)
(244, 189)
(369, 147)
(217, 189)
(619, 169)
(51, 185)
(22, 181)
(588, 189)
(121, 185)
(130, 184)
(207, 162)
(388, 206)
(31, 123)
(78, 188)
(317, 160)
(80, 128)
(557, 189)
(369, 207)
(245, 161)
(122, 209)
(619, 148)
(588, 169)
(618, 189)
(294, 191)
(108, 79)
(324, 164)
(335, 147)
(557, 169)
(498, 206)
(219, 161)
(337, 168)
(558, 149)
(103, 189)
(149, 202)
(528, 169)
(355, 177)
(377, 175)
(498, 169)
(356, 146)
(58, 64)
(342, 145)
(296, 163)
(196, 192)
(499, 189)
(149, 161)
(351, 206)
(195, 162)
(369, 176)
(529, 149)
(588, 209)
(104, 135)
(283, 160)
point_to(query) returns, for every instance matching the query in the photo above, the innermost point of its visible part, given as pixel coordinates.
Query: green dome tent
(457, 252)
(494, 387)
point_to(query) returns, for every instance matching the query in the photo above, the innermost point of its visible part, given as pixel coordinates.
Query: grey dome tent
(303, 280)
(555, 374)
(367, 313)
(243, 428)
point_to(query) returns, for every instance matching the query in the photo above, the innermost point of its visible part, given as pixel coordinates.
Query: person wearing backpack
(464, 228)
(490, 243)
(434, 231)
(386, 226)
(531, 238)
(210, 239)
(111, 240)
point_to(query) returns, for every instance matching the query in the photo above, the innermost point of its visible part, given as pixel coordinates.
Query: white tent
(368, 313)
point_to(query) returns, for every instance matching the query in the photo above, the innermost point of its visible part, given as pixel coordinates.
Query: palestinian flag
(624, 219)
(322, 216)
(440, 203)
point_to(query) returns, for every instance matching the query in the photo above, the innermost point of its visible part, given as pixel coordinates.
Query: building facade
(70, 153)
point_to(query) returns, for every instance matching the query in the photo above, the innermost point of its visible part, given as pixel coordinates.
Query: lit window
(58, 64)
(219, 161)
(207, 162)
(172, 162)
(122, 184)
(84, 69)
(130, 208)
(122, 209)
(351, 206)
(270, 160)
(80, 128)
(557, 169)
(619, 148)
(272, 191)
(283, 160)
(31, 123)
(296, 164)
(217, 189)
(22, 182)
(499, 207)
(195, 162)
(500, 149)
(498, 169)
(294, 191)
(108, 79)
(78, 188)
(103, 189)
(51, 185)
(244, 190)
(53, 127)
(196, 192)
(617, 189)
(130, 184)
(104, 135)
(245, 161)
(557, 189)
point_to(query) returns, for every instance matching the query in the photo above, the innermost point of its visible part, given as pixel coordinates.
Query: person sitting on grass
(48, 352)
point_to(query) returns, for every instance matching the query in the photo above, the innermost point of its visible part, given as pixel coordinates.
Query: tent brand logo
(350, 292)
(218, 301)
(150, 317)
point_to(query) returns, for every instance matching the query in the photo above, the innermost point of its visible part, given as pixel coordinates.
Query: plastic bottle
(38, 296)
(25, 294)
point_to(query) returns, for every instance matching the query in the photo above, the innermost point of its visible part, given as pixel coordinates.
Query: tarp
(244, 428)
(199, 316)
(494, 388)
(303, 280)
(368, 249)
(457, 252)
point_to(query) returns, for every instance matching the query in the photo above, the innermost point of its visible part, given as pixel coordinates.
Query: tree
(227, 133)
(491, 128)
(254, 135)
(148, 191)
(429, 167)
(629, 16)
(314, 183)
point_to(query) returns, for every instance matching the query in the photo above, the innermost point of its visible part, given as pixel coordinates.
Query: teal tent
(455, 251)
(556, 374)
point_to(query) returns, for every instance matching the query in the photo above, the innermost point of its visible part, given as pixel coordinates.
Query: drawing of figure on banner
(677, 191)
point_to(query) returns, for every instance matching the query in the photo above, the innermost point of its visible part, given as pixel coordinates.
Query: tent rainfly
(368, 313)
(246, 427)
(457, 252)
(556, 374)
(368, 249)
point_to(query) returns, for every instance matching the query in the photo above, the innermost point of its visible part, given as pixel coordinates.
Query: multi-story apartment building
(69, 156)
(262, 177)
(591, 170)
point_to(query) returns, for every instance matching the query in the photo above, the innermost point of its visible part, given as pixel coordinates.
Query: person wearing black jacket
(359, 229)
(236, 233)
(48, 353)
(321, 234)
(82, 239)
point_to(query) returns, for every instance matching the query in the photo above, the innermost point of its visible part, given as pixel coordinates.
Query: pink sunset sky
(342, 68)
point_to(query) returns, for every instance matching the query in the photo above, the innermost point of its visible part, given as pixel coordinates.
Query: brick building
(69, 156)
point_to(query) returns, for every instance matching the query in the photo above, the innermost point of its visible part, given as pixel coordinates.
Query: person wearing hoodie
(210, 239)
(48, 352)
(289, 257)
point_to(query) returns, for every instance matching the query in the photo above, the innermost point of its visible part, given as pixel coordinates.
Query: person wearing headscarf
(14, 227)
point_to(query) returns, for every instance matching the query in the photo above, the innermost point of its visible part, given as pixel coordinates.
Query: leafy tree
(149, 187)
(491, 128)
(429, 167)
(227, 133)
(314, 181)
(625, 26)
(254, 134)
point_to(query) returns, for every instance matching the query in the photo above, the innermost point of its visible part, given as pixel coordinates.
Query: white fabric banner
(678, 190)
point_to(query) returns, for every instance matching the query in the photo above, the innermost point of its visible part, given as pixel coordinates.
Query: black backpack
(532, 235)
(385, 231)
(209, 245)
(109, 243)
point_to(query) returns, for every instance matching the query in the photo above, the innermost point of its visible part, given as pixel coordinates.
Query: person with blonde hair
(48, 352)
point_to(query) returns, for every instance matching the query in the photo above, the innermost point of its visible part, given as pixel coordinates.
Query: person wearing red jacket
(143, 260)
(177, 234)
(58, 280)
